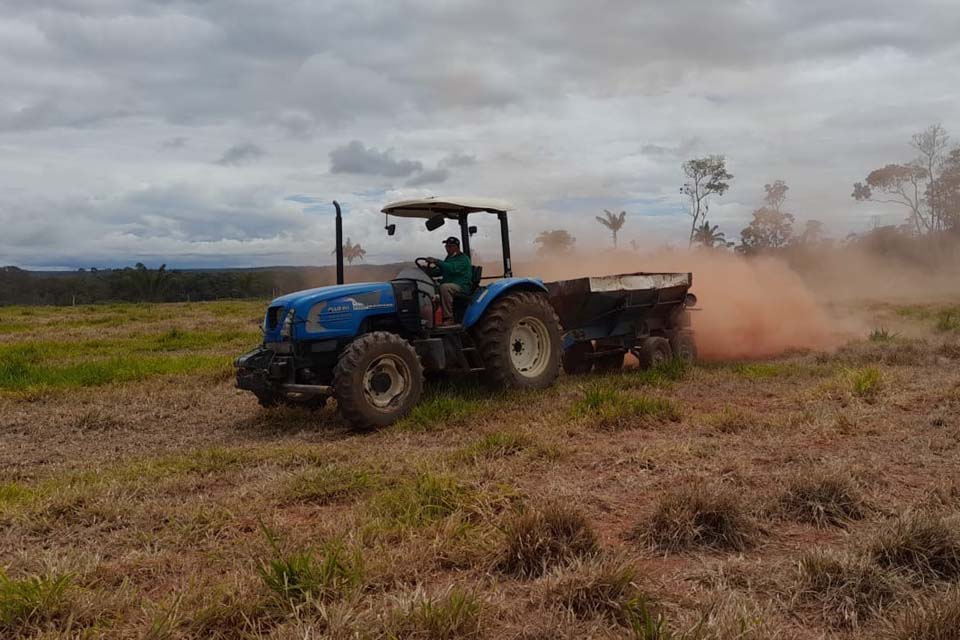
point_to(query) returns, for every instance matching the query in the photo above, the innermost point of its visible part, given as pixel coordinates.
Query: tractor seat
(474, 283)
(462, 300)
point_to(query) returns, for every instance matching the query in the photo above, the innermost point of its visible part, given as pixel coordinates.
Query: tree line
(926, 187)
(142, 284)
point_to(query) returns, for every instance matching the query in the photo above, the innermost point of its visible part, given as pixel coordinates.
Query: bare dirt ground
(727, 500)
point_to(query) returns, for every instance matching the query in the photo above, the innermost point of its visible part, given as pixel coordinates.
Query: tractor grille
(274, 315)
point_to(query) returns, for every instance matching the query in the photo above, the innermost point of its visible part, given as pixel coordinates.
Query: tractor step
(449, 328)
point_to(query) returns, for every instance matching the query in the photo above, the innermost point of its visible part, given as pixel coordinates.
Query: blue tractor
(368, 344)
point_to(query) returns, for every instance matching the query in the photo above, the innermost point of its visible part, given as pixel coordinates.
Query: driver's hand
(432, 261)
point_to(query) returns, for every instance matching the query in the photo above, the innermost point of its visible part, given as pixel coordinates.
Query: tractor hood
(326, 312)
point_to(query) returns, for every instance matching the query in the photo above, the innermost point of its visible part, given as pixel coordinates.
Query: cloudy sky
(216, 132)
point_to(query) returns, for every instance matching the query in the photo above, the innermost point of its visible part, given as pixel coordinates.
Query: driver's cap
(452, 240)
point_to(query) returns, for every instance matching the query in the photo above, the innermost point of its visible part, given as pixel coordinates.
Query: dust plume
(747, 308)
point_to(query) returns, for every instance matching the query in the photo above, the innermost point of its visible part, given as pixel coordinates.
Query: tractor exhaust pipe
(339, 235)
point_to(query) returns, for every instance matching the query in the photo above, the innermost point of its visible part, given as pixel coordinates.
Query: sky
(205, 133)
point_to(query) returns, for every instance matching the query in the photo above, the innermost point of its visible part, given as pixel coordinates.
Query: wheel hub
(530, 347)
(386, 380)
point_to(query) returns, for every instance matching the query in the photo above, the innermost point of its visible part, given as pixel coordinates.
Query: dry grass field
(809, 496)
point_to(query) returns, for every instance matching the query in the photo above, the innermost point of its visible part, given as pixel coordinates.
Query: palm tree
(613, 221)
(710, 237)
(352, 251)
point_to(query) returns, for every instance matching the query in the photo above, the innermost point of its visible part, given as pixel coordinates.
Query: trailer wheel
(378, 380)
(519, 342)
(576, 360)
(654, 352)
(684, 346)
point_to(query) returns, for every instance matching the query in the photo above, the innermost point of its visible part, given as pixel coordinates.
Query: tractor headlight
(286, 331)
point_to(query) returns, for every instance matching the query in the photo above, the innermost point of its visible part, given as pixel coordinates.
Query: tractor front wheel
(378, 380)
(519, 342)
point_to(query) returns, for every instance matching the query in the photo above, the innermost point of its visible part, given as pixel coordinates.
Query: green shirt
(457, 270)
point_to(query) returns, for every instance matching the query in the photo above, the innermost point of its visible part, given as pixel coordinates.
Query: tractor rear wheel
(576, 359)
(378, 380)
(519, 342)
(654, 352)
(684, 346)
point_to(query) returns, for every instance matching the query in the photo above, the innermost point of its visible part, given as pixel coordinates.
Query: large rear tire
(378, 380)
(519, 342)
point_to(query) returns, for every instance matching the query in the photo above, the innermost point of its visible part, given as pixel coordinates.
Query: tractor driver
(457, 274)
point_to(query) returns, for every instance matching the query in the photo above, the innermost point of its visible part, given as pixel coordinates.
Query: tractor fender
(482, 298)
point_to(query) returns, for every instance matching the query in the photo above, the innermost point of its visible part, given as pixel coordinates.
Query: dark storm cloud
(353, 157)
(239, 154)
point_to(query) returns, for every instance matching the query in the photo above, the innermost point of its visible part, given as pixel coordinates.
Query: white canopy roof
(450, 206)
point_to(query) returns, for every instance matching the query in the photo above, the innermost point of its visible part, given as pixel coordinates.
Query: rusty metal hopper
(588, 301)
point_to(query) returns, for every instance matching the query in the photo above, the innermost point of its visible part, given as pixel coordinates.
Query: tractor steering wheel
(424, 265)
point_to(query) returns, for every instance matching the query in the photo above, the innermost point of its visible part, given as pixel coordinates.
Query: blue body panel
(483, 297)
(331, 312)
(338, 311)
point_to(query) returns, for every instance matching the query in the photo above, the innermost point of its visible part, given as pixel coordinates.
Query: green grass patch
(882, 335)
(328, 485)
(25, 370)
(421, 500)
(948, 320)
(304, 576)
(734, 420)
(443, 407)
(866, 382)
(499, 444)
(759, 370)
(31, 600)
(609, 407)
(451, 616)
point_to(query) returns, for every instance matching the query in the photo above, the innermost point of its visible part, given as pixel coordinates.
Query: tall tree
(706, 177)
(917, 185)
(554, 241)
(711, 237)
(948, 190)
(148, 284)
(813, 234)
(614, 222)
(771, 226)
